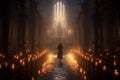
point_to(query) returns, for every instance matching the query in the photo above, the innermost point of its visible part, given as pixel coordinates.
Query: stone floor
(55, 70)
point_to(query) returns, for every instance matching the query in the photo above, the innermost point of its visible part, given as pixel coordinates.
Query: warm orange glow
(43, 70)
(36, 57)
(33, 58)
(6, 64)
(81, 70)
(88, 58)
(13, 66)
(116, 73)
(92, 60)
(47, 65)
(21, 54)
(38, 72)
(16, 57)
(114, 63)
(28, 59)
(100, 54)
(2, 56)
(114, 56)
(0, 66)
(23, 63)
(85, 57)
(107, 54)
(71, 58)
(100, 61)
(72, 62)
(21, 60)
(104, 68)
(96, 63)
(84, 72)
(30, 56)
(85, 77)
(33, 78)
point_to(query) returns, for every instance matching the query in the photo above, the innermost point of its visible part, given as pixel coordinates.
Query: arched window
(59, 12)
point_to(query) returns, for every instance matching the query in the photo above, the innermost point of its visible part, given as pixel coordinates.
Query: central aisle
(67, 69)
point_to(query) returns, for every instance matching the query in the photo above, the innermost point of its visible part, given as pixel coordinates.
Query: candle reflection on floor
(52, 69)
(48, 65)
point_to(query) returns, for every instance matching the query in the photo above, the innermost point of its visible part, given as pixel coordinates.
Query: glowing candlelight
(33, 59)
(81, 70)
(84, 72)
(38, 72)
(21, 54)
(100, 54)
(114, 63)
(88, 58)
(92, 60)
(13, 67)
(85, 77)
(6, 64)
(100, 61)
(33, 78)
(28, 59)
(23, 63)
(3, 57)
(107, 54)
(0, 66)
(85, 57)
(96, 63)
(104, 68)
(36, 57)
(114, 56)
(116, 73)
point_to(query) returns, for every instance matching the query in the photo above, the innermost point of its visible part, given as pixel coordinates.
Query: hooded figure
(60, 52)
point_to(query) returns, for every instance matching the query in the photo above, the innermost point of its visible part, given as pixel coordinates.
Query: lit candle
(36, 57)
(116, 73)
(104, 68)
(96, 63)
(33, 78)
(85, 77)
(13, 67)
(107, 54)
(88, 58)
(114, 63)
(28, 59)
(0, 66)
(3, 57)
(92, 60)
(114, 56)
(101, 54)
(33, 59)
(85, 57)
(100, 61)
(21, 54)
(84, 72)
(81, 70)
(38, 72)
(23, 63)
(6, 64)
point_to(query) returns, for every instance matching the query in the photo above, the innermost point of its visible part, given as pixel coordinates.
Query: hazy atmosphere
(59, 40)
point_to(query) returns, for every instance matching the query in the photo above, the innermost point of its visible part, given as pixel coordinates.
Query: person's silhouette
(60, 52)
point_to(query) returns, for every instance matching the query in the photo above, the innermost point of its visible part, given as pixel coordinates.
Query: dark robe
(60, 52)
